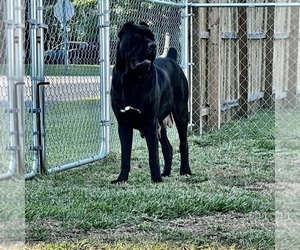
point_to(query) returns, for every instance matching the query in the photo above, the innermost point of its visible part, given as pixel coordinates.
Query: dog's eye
(138, 36)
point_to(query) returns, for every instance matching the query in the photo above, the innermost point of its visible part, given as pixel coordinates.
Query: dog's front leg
(125, 134)
(152, 144)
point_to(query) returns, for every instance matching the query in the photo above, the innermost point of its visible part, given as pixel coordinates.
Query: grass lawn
(287, 178)
(228, 203)
(73, 131)
(60, 70)
(71, 70)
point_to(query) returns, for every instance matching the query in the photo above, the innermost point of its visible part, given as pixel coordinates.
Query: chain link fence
(241, 60)
(165, 23)
(287, 130)
(232, 57)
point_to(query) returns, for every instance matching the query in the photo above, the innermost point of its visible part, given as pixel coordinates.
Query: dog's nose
(152, 46)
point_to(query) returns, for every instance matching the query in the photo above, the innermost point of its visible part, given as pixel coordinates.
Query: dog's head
(137, 47)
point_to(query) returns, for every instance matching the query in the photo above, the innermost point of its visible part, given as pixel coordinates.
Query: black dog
(147, 93)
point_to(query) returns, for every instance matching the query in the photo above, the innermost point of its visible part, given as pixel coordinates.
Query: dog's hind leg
(125, 135)
(167, 151)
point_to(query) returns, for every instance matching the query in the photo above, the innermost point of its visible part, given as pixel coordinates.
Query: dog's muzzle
(134, 63)
(146, 63)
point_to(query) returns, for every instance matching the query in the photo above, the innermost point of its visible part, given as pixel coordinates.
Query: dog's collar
(127, 108)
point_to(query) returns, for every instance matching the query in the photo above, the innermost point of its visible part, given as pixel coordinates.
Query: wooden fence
(241, 58)
(286, 68)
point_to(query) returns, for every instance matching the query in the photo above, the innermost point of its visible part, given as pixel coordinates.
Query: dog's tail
(172, 53)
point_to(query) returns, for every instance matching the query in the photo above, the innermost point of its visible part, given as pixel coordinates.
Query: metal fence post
(191, 64)
(19, 73)
(184, 37)
(10, 73)
(42, 83)
(104, 38)
(33, 73)
(37, 87)
(15, 74)
(186, 48)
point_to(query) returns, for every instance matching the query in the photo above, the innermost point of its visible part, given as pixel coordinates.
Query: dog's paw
(157, 180)
(186, 172)
(165, 173)
(118, 181)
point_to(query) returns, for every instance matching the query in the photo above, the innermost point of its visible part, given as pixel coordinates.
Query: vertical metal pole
(184, 38)
(41, 78)
(10, 82)
(191, 67)
(37, 88)
(20, 126)
(15, 73)
(65, 34)
(33, 73)
(104, 38)
(34, 88)
(101, 73)
(107, 72)
(19, 73)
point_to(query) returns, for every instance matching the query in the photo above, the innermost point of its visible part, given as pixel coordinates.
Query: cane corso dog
(148, 94)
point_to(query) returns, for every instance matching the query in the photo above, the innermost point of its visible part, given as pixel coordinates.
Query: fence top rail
(220, 5)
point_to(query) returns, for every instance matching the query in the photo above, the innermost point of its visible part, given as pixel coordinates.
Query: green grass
(287, 178)
(228, 202)
(4, 156)
(73, 131)
(12, 210)
(72, 70)
(61, 70)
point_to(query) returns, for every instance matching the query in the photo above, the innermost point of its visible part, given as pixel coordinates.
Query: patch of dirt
(222, 225)
(56, 233)
(12, 245)
(215, 227)
(262, 187)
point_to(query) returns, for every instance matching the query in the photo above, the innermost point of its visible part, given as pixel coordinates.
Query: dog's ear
(144, 24)
(125, 26)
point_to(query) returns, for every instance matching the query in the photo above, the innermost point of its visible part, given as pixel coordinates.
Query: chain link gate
(56, 115)
(76, 100)
(71, 77)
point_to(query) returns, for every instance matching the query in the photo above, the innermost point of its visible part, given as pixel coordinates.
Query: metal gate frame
(38, 85)
(15, 25)
(15, 73)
